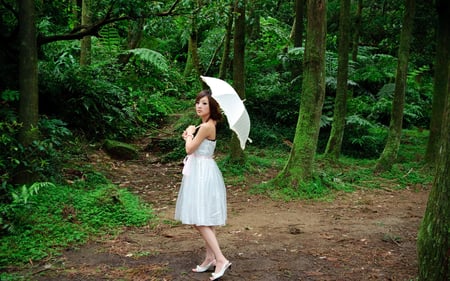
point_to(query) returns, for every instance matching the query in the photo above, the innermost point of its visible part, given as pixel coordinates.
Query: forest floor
(369, 234)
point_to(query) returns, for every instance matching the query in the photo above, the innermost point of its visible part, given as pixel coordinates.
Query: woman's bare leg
(209, 257)
(209, 235)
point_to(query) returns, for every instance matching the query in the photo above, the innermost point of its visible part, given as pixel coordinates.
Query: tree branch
(93, 30)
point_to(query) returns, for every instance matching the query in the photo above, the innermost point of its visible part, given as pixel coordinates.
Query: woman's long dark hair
(214, 108)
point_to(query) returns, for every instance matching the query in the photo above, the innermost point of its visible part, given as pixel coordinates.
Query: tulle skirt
(202, 196)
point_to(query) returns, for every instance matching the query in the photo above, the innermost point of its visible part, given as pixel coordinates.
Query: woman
(202, 197)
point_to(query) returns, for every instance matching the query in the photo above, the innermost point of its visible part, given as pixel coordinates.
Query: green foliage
(377, 69)
(351, 174)
(364, 139)
(93, 104)
(109, 39)
(66, 215)
(150, 56)
(314, 189)
(272, 99)
(16, 213)
(43, 157)
(257, 162)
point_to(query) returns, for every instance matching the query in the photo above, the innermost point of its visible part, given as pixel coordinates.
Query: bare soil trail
(364, 235)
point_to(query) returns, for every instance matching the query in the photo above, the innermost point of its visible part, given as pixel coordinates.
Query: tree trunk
(254, 28)
(226, 46)
(193, 60)
(440, 92)
(333, 149)
(297, 27)
(389, 154)
(433, 242)
(85, 49)
(356, 32)
(28, 80)
(297, 36)
(134, 38)
(300, 163)
(236, 152)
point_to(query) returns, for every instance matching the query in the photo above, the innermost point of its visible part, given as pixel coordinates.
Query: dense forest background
(142, 70)
(119, 70)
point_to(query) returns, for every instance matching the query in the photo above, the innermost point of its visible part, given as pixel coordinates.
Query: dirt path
(365, 235)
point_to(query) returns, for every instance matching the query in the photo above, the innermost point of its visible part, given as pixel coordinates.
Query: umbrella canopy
(232, 106)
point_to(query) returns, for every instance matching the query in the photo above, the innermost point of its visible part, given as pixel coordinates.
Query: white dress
(202, 197)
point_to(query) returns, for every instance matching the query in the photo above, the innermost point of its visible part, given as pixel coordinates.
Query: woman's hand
(189, 132)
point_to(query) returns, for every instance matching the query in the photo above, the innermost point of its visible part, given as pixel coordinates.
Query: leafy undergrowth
(58, 216)
(350, 174)
(68, 215)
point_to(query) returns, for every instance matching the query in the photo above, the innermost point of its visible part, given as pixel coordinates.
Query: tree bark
(433, 242)
(28, 80)
(254, 15)
(226, 45)
(334, 145)
(356, 32)
(389, 154)
(299, 167)
(440, 92)
(297, 37)
(193, 59)
(297, 27)
(85, 49)
(134, 38)
(236, 152)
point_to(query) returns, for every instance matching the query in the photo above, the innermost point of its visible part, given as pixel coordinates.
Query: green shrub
(66, 215)
(43, 157)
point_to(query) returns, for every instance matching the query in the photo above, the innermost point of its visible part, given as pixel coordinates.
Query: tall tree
(299, 167)
(85, 49)
(297, 27)
(193, 60)
(254, 19)
(333, 149)
(433, 241)
(28, 79)
(390, 151)
(227, 44)
(440, 91)
(297, 36)
(357, 30)
(236, 152)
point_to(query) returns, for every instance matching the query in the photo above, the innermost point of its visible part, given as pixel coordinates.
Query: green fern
(152, 57)
(110, 38)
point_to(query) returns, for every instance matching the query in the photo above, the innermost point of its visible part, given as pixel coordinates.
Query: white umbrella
(232, 106)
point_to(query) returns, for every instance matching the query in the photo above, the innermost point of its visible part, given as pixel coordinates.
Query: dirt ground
(365, 235)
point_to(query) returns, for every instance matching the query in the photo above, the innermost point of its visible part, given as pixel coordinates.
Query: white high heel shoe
(219, 274)
(200, 269)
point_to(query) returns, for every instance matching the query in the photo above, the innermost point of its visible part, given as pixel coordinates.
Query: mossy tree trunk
(433, 243)
(390, 151)
(333, 149)
(297, 27)
(224, 64)
(357, 30)
(28, 80)
(236, 152)
(254, 8)
(299, 167)
(297, 37)
(193, 59)
(85, 49)
(440, 92)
